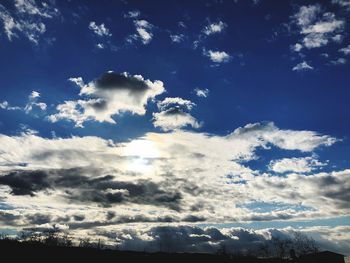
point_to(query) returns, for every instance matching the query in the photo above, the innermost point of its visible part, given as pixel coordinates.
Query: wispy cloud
(201, 92)
(345, 50)
(100, 30)
(144, 32)
(302, 66)
(177, 38)
(27, 18)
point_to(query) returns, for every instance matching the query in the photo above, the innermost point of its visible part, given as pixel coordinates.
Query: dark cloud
(193, 218)
(119, 81)
(80, 188)
(177, 110)
(38, 219)
(114, 219)
(79, 217)
(110, 215)
(25, 182)
(99, 104)
(341, 197)
(269, 217)
(9, 217)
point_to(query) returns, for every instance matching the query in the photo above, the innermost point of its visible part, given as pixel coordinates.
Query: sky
(187, 123)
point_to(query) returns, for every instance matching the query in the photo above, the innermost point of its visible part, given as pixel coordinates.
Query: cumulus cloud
(174, 118)
(99, 30)
(174, 114)
(318, 28)
(108, 95)
(169, 101)
(217, 56)
(296, 165)
(302, 67)
(214, 28)
(201, 92)
(27, 18)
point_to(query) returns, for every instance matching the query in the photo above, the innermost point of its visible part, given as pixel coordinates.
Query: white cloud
(307, 14)
(182, 24)
(174, 118)
(99, 30)
(174, 114)
(345, 50)
(6, 106)
(77, 81)
(324, 192)
(170, 101)
(33, 103)
(34, 95)
(177, 38)
(100, 46)
(201, 92)
(296, 165)
(217, 56)
(27, 18)
(297, 47)
(302, 66)
(31, 8)
(108, 95)
(144, 32)
(304, 141)
(214, 28)
(318, 28)
(338, 38)
(70, 110)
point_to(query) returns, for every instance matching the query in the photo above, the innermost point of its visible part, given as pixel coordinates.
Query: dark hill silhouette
(37, 251)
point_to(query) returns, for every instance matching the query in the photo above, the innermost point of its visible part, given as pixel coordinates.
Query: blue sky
(244, 102)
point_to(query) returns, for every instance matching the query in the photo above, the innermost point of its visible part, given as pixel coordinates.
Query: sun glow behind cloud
(141, 152)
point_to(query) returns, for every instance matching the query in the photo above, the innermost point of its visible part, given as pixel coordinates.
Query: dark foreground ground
(16, 251)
